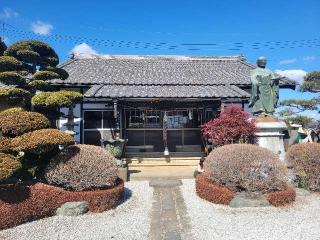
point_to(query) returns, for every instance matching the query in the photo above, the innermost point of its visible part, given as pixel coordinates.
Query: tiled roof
(157, 70)
(167, 91)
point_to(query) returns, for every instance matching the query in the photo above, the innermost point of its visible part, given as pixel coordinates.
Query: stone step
(170, 161)
(160, 172)
(160, 154)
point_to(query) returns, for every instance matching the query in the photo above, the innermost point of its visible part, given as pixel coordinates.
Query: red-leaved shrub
(212, 192)
(246, 167)
(232, 126)
(282, 197)
(27, 202)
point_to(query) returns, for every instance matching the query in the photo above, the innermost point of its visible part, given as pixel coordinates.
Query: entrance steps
(136, 173)
(191, 159)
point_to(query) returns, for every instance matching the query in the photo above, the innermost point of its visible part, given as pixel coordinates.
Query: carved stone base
(270, 135)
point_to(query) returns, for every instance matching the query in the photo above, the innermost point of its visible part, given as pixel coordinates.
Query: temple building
(154, 101)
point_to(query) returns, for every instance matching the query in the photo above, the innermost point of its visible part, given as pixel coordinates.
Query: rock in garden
(246, 200)
(72, 209)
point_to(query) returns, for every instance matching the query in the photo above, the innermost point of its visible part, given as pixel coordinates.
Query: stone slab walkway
(169, 218)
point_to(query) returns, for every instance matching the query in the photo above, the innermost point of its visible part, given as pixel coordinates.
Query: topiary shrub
(16, 123)
(40, 85)
(14, 95)
(41, 141)
(56, 99)
(82, 167)
(63, 74)
(246, 167)
(12, 78)
(305, 160)
(32, 51)
(8, 166)
(5, 145)
(45, 75)
(8, 63)
(12, 110)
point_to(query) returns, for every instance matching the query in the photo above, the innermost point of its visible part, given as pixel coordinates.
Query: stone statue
(265, 89)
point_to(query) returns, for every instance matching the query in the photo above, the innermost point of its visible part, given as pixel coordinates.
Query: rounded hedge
(40, 85)
(62, 73)
(45, 75)
(246, 167)
(10, 92)
(305, 160)
(8, 63)
(82, 167)
(56, 99)
(12, 78)
(5, 145)
(41, 141)
(16, 123)
(8, 166)
(33, 51)
(12, 110)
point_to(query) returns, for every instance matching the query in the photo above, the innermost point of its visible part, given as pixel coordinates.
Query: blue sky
(227, 27)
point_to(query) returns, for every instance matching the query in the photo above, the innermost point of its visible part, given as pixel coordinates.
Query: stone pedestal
(270, 135)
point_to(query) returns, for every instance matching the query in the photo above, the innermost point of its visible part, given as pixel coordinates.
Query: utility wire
(13, 31)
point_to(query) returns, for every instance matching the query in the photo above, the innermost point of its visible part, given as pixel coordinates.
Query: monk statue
(264, 90)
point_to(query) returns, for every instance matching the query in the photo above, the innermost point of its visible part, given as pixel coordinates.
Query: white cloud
(287, 61)
(294, 74)
(83, 48)
(8, 13)
(309, 58)
(41, 28)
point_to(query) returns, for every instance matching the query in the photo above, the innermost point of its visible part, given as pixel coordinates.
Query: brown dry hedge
(305, 160)
(282, 197)
(212, 192)
(27, 202)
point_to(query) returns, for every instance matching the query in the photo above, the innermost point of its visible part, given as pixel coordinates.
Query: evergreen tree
(294, 107)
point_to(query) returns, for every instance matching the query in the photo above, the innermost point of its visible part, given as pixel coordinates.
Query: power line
(231, 46)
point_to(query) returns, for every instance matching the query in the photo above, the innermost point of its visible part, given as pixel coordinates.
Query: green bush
(61, 72)
(8, 166)
(8, 64)
(82, 167)
(12, 78)
(40, 85)
(12, 110)
(34, 52)
(45, 75)
(56, 99)
(41, 141)
(11, 92)
(305, 160)
(246, 167)
(17, 123)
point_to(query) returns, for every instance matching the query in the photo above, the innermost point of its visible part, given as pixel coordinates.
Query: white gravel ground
(130, 220)
(211, 221)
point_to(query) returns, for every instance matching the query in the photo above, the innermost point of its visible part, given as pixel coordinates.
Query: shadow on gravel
(127, 194)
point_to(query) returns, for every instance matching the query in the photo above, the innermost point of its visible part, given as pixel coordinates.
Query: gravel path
(211, 221)
(130, 220)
